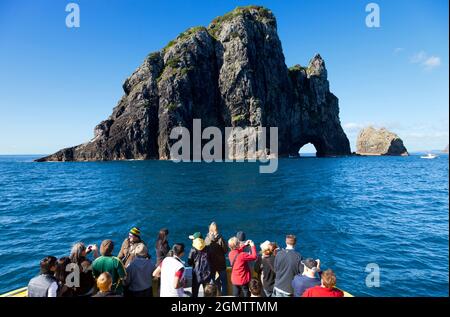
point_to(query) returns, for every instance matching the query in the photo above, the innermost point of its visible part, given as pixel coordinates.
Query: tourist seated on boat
(309, 278)
(198, 259)
(45, 284)
(217, 250)
(288, 263)
(128, 245)
(61, 275)
(111, 264)
(264, 266)
(104, 285)
(171, 272)
(139, 280)
(211, 290)
(255, 288)
(240, 269)
(79, 257)
(327, 287)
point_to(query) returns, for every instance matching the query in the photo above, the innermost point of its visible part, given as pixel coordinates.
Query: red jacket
(241, 275)
(319, 291)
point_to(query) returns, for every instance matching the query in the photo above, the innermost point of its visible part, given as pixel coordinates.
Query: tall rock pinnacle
(229, 74)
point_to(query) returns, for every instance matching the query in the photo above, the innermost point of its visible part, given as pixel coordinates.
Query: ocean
(349, 212)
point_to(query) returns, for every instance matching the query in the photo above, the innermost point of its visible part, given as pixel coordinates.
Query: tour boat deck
(23, 292)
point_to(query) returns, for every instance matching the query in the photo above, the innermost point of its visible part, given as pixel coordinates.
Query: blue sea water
(349, 212)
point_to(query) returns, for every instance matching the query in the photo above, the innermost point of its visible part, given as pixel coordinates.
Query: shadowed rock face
(230, 74)
(379, 142)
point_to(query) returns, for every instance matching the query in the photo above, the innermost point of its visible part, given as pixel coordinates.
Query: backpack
(202, 269)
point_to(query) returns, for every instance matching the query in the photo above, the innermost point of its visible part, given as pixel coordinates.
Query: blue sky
(57, 83)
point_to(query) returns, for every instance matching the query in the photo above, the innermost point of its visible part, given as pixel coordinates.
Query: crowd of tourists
(273, 272)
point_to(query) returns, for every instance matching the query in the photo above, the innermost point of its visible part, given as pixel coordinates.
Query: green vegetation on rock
(171, 107)
(237, 118)
(173, 63)
(298, 68)
(263, 13)
(185, 70)
(184, 35)
(153, 57)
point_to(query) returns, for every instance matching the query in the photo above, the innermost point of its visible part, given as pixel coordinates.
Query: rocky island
(229, 74)
(373, 141)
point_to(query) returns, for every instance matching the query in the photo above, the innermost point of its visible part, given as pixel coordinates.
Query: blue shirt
(302, 282)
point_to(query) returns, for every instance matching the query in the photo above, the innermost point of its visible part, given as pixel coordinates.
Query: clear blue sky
(57, 83)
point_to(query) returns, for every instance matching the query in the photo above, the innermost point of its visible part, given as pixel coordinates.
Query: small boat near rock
(429, 156)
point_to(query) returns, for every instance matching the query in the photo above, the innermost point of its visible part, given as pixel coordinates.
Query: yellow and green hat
(135, 231)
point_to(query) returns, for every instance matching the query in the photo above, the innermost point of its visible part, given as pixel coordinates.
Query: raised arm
(250, 256)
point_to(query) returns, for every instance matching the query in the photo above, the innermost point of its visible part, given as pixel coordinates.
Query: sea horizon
(315, 125)
(349, 212)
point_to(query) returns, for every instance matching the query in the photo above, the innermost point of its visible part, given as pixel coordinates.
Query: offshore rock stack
(229, 74)
(373, 141)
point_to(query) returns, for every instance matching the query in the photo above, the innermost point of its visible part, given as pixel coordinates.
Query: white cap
(265, 245)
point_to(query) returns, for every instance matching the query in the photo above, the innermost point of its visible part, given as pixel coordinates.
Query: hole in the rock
(307, 150)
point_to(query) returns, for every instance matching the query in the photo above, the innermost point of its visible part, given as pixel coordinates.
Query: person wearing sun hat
(197, 241)
(126, 253)
(199, 260)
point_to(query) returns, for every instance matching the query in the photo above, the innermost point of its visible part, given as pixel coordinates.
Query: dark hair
(162, 237)
(255, 287)
(60, 272)
(47, 263)
(210, 290)
(107, 247)
(291, 239)
(241, 236)
(177, 249)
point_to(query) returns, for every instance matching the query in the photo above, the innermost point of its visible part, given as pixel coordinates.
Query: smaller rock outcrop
(373, 141)
(446, 149)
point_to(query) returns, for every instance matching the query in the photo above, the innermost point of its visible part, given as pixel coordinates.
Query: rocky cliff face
(229, 74)
(373, 141)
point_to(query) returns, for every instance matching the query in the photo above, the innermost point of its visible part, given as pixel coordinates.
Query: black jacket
(217, 249)
(287, 265)
(266, 265)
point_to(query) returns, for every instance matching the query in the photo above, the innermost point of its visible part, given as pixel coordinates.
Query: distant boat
(429, 156)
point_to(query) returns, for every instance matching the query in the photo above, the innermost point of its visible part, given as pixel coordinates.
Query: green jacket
(113, 266)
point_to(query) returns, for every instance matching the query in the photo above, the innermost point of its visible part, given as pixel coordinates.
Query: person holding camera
(309, 277)
(240, 269)
(79, 257)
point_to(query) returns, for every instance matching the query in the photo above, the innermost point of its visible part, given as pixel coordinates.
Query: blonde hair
(213, 228)
(104, 282)
(76, 254)
(233, 243)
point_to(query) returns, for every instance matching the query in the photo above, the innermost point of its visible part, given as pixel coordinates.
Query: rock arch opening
(307, 150)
